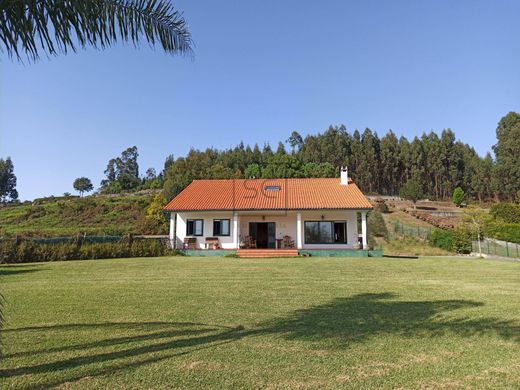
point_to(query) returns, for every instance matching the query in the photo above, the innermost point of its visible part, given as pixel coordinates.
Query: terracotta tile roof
(269, 194)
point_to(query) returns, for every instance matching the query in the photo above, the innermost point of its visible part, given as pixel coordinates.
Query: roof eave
(272, 209)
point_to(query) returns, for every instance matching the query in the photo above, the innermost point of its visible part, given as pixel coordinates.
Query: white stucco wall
(285, 225)
(226, 242)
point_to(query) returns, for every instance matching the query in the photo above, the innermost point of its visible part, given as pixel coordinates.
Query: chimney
(344, 176)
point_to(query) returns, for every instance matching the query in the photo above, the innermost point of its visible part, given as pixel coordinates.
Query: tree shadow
(342, 322)
(14, 270)
(362, 316)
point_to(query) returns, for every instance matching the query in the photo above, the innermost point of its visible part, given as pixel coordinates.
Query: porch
(270, 230)
(282, 253)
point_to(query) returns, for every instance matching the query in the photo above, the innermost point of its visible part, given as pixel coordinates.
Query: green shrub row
(458, 240)
(25, 250)
(503, 231)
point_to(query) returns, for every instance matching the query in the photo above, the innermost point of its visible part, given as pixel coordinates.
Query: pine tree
(8, 191)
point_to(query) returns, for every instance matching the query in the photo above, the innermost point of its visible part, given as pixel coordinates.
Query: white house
(310, 214)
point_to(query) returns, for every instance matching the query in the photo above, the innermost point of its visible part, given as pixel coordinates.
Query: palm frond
(29, 27)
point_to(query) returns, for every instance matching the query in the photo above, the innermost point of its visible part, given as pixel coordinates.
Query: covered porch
(269, 230)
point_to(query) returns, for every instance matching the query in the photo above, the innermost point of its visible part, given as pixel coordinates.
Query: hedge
(503, 231)
(26, 250)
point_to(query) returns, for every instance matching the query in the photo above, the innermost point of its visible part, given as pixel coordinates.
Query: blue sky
(260, 71)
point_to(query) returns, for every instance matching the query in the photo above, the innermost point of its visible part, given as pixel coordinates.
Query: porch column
(299, 241)
(364, 229)
(236, 237)
(172, 230)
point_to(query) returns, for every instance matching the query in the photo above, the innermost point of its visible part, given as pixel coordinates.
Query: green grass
(94, 215)
(199, 323)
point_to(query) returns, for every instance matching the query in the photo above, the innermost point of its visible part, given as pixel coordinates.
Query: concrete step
(264, 253)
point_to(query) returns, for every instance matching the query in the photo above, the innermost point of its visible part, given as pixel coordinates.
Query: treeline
(439, 163)
(379, 165)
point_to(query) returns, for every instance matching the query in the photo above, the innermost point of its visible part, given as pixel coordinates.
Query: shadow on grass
(354, 319)
(344, 321)
(13, 270)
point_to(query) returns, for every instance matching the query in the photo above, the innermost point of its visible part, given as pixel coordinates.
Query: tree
(475, 219)
(57, 26)
(122, 172)
(282, 166)
(295, 140)
(389, 163)
(318, 170)
(253, 171)
(8, 191)
(82, 184)
(155, 217)
(458, 196)
(507, 150)
(412, 191)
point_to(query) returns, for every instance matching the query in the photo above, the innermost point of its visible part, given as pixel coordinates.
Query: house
(297, 214)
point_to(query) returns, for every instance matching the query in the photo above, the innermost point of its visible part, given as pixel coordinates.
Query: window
(272, 188)
(325, 232)
(221, 227)
(194, 227)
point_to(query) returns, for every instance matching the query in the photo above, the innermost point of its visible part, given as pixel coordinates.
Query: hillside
(65, 216)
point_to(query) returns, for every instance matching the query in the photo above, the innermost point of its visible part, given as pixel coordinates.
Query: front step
(265, 253)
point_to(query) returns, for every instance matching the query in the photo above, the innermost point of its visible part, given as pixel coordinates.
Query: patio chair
(190, 243)
(250, 242)
(288, 242)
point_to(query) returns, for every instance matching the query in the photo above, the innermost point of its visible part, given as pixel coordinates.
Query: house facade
(312, 214)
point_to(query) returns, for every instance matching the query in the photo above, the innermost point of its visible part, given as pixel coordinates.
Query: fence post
(507, 249)
(488, 252)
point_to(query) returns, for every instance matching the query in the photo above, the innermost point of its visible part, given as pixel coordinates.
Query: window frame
(221, 234)
(320, 242)
(194, 234)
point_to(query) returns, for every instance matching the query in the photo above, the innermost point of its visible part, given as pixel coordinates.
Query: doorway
(264, 233)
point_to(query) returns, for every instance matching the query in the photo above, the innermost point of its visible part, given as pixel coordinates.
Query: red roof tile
(251, 194)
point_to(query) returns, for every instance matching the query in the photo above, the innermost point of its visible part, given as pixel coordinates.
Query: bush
(451, 240)
(382, 207)
(503, 231)
(376, 224)
(27, 250)
(458, 196)
(507, 212)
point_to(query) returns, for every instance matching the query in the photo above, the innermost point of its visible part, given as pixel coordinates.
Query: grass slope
(94, 215)
(294, 323)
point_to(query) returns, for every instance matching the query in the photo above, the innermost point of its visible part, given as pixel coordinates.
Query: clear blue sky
(261, 70)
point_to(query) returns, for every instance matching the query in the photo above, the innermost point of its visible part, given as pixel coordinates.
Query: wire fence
(488, 246)
(86, 239)
(497, 248)
(410, 231)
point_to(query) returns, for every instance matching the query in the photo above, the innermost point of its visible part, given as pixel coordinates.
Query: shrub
(503, 231)
(451, 240)
(382, 207)
(458, 196)
(507, 212)
(376, 224)
(27, 250)
(441, 238)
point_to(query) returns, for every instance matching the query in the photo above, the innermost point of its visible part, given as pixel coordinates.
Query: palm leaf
(28, 27)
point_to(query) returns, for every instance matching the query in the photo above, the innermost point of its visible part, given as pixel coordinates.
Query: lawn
(199, 323)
